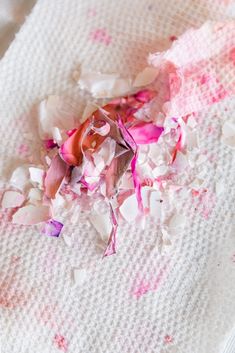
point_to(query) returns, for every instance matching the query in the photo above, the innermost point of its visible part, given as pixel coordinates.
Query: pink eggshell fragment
(55, 176)
(52, 228)
(145, 133)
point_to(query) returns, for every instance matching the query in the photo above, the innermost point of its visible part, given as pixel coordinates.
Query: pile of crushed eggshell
(129, 152)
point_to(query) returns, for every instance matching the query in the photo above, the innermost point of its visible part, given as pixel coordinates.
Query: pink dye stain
(211, 130)
(204, 79)
(143, 286)
(91, 13)
(46, 316)
(51, 317)
(15, 259)
(219, 94)
(61, 342)
(168, 339)
(100, 35)
(49, 262)
(195, 193)
(206, 201)
(23, 149)
(232, 56)
(10, 297)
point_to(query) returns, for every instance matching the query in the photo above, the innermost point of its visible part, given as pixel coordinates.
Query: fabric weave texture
(188, 306)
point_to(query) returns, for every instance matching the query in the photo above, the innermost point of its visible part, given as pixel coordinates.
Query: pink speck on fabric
(168, 339)
(15, 259)
(204, 79)
(100, 35)
(61, 342)
(47, 317)
(232, 56)
(9, 297)
(195, 193)
(206, 201)
(23, 149)
(173, 38)
(142, 286)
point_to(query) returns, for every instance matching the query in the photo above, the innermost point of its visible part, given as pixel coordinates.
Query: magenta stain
(61, 342)
(100, 35)
(205, 79)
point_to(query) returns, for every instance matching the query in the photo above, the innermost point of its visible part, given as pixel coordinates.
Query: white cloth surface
(12, 15)
(192, 308)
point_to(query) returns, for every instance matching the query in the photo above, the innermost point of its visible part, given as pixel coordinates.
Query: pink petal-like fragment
(103, 130)
(50, 144)
(55, 176)
(52, 228)
(111, 247)
(145, 133)
(30, 214)
(131, 142)
(144, 96)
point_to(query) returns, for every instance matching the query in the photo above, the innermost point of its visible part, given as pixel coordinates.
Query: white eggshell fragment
(20, 178)
(145, 77)
(104, 85)
(80, 276)
(12, 199)
(31, 214)
(129, 208)
(177, 221)
(102, 224)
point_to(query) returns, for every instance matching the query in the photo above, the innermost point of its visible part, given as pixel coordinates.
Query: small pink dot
(168, 339)
(15, 259)
(195, 193)
(61, 342)
(173, 38)
(100, 35)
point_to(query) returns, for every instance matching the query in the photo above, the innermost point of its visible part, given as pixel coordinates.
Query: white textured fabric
(12, 15)
(188, 306)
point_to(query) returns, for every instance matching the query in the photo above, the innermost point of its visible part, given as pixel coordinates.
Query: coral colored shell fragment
(54, 176)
